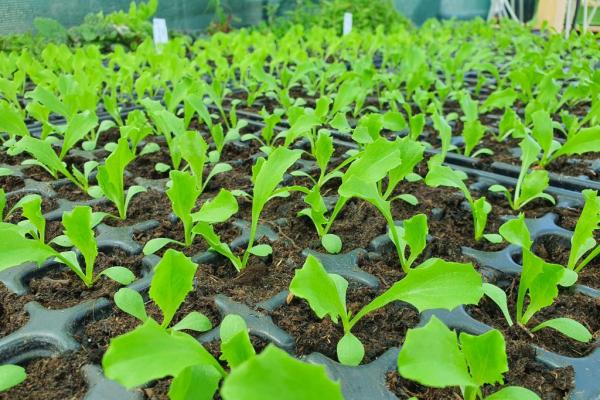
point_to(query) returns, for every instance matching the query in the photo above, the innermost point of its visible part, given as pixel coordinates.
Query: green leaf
(42, 151)
(431, 356)
(154, 245)
(325, 294)
(110, 175)
(150, 352)
(332, 243)
(585, 141)
(131, 302)
(77, 127)
(567, 327)
(214, 241)
(31, 206)
(275, 375)
(79, 230)
(540, 280)
(172, 281)
(261, 250)
(499, 99)
(486, 356)
(196, 382)
(183, 194)
(11, 375)
(270, 175)
(513, 393)
(193, 150)
(236, 347)
(394, 121)
(161, 167)
(533, 187)
(583, 239)
(121, 275)
(350, 350)
(480, 209)
(11, 121)
(375, 161)
(515, 231)
(194, 321)
(543, 131)
(218, 209)
(440, 175)
(498, 296)
(345, 96)
(323, 149)
(434, 284)
(340, 123)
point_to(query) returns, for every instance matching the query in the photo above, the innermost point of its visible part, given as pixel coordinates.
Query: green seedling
(434, 284)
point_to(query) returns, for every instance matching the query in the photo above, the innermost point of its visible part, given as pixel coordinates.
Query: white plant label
(159, 30)
(347, 23)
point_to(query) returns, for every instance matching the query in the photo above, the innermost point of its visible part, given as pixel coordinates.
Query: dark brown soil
(54, 378)
(61, 288)
(12, 314)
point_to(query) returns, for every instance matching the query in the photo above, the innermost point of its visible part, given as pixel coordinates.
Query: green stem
(253, 228)
(589, 258)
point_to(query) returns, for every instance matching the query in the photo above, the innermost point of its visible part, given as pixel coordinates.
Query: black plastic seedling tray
(52, 332)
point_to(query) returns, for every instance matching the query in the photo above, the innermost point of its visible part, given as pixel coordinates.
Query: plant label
(347, 23)
(159, 30)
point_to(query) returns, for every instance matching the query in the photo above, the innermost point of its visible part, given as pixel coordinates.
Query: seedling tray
(76, 336)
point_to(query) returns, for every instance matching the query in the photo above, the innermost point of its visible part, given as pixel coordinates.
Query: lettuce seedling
(364, 179)
(46, 158)
(11, 376)
(585, 141)
(510, 125)
(76, 129)
(434, 284)
(111, 178)
(538, 286)
(322, 152)
(136, 129)
(530, 184)
(197, 374)
(267, 174)
(435, 356)
(582, 241)
(183, 196)
(267, 134)
(473, 129)
(440, 175)
(168, 125)
(78, 224)
(34, 224)
(12, 122)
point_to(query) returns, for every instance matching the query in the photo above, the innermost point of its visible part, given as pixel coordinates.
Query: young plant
(364, 179)
(473, 129)
(11, 376)
(34, 224)
(267, 174)
(435, 356)
(46, 158)
(184, 195)
(434, 284)
(156, 350)
(111, 178)
(17, 249)
(538, 286)
(322, 152)
(582, 241)
(585, 141)
(530, 184)
(440, 175)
